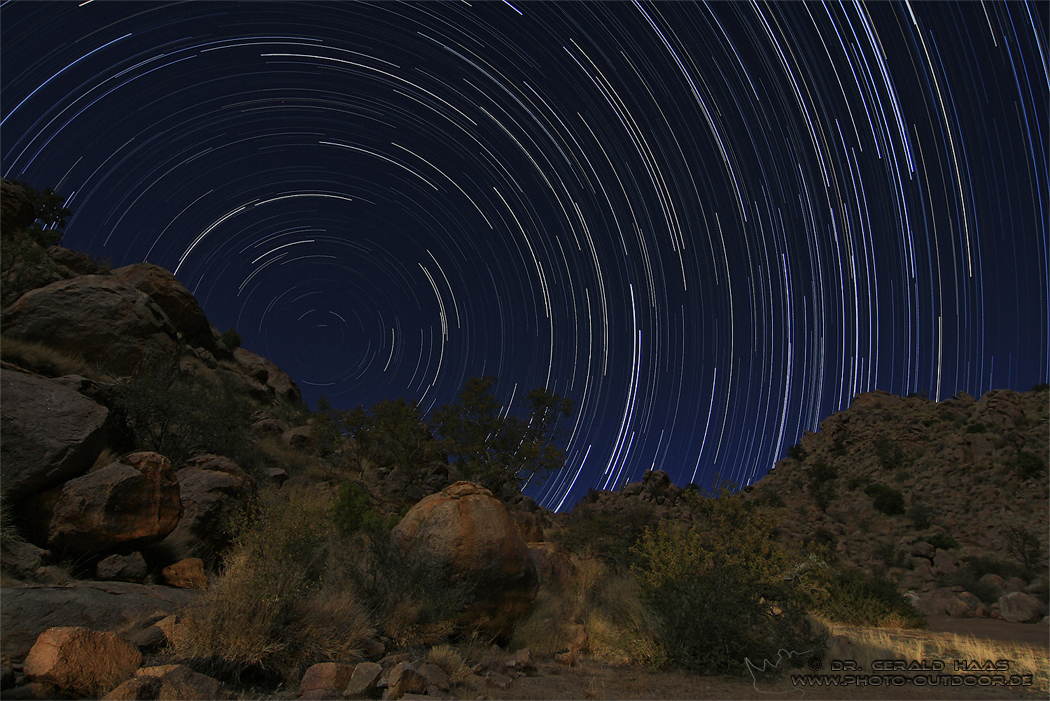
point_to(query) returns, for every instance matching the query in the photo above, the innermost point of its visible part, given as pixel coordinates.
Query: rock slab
(81, 661)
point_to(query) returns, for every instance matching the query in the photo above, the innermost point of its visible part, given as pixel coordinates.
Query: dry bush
(619, 628)
(47, 361)
(273, 611)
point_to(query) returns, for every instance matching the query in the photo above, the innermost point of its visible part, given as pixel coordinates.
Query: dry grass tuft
(450, 661)
(47, 361)
(867, 645)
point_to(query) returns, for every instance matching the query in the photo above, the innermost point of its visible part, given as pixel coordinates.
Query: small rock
(186, 574)
(566, 658)
(404, 679)
(122, 568)
(325, 680)
(435, 676)
(363, 681)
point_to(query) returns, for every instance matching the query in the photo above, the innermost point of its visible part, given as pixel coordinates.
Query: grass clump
(852, 597)
(45, 360)
(274, 610)
(886, 499)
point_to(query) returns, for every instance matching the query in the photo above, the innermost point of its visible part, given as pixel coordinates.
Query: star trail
(711, 225)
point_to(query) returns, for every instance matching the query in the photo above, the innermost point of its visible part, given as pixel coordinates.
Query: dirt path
(1028, 634)
(594, 681)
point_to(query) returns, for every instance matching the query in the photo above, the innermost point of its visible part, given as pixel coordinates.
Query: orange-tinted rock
(131, 503)
(81, 661)
(186, 574)
(465, 536)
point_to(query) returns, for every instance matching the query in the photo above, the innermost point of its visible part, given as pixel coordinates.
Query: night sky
(711, 225)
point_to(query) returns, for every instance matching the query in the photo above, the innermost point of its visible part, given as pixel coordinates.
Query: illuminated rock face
(100, 318)
(132, 503)
(170, 295)
(466, 538)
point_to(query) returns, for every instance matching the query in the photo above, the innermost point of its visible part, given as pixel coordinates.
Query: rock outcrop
(119, 607)
(464, 536)
(48, 433)
(262, 370)
(130, 504)
(99, 318)
(171, 296)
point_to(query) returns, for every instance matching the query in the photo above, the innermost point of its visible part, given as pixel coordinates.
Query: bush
(976, 428)
(231, 339)
(171, 415)
(921, 516)
(274, 610)
(1028, 465)
(942, 541)
(353, 512)
(854, 598)
(821, 484)
(885, 498)
(718, 588)
(1027, 547)
(796, 452)
(606, 535)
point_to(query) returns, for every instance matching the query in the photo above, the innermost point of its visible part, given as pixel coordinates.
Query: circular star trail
(711, 225)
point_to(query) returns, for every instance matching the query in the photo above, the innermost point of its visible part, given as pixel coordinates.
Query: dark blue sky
(710, 225)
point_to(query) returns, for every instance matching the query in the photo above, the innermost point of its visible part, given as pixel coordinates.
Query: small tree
(231, 339)
(498, 449)
(821, 484)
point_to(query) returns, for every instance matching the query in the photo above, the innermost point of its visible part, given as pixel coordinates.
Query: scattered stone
(122, 568)
(81, 661)
(326, 680)
(186, 574)
(363, 681)
(435, 676)
(403, 679)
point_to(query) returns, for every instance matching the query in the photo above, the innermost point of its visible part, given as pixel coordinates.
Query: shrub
(171, 415)
(851, 597)
(942, 541)
(821, 484)
(352, 510)
(889, 453)
(273, 611)
(1028, 465)
(857, 481)
(976, 428)
(610, 536)
(230, 338)
(885, 498)
(796, 452)
(718, 588)
(1027, 547)
(921, 516)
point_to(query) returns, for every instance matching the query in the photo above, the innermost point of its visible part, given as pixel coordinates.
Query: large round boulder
(465, 538)
(101, 318)
(170, 295)
(48, 433)
(124, 505)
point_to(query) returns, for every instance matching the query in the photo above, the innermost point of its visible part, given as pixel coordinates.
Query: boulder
(100, 318)
(529, 525)
(81, 661)
(1018, 607)
(298, 437)
(403, 679)
(264, 371)
(128, 504)
(211, 488)
(170, 681)
(363, 682)
(170, 295)
(923, 549)
(48, 433)
(122, 568)
(74, 262)
(186, 574)
(466, 539)
(19, 558)
(326, 680)
(119, 607)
